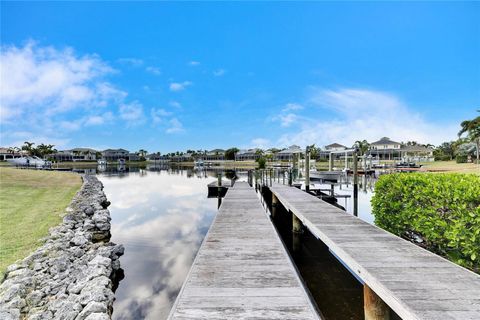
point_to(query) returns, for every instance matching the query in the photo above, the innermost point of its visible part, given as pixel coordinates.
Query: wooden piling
(274, 206)
(307, 169)
(355, 184)
(375, 308)
(296, 233)
(330, 162)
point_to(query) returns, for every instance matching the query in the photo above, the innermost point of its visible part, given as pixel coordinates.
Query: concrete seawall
(74, 273)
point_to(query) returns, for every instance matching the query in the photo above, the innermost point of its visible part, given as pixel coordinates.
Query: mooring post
(290, 177)
(271, 174)
(330, 162)
(296, 233)
(307, 169)
(355, 184)
(274, 205)
(375, 308)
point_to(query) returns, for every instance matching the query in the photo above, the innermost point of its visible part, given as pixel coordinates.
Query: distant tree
(259, 151)
(142, 153)
(230, 153)
(362, 146)
(28, 147)
(445, 151)
(314, 151)
(261, 162)
(43, 150)
(472, 128)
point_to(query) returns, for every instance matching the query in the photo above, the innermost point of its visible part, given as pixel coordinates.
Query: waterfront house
(386, 149)
(248, 155)
(335, 147)
(9, 153)
(214, 155)
(76, 154)
(289, 153)
(133, 157)
(84, 154)
(184, 157)
(417, 153)
(115, 154)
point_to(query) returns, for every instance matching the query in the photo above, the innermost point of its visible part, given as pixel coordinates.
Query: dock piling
(375, 308)
(355, 184)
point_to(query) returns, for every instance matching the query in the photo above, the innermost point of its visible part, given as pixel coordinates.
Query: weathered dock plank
(414, 282)
(242, 270)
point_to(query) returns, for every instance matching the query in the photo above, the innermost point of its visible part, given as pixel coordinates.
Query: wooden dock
(413, 282)
(242, 270)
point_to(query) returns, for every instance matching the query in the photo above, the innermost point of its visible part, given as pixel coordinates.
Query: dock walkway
(242, 270)
(414, 282)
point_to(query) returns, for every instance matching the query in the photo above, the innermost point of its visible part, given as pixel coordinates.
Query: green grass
(31, 201)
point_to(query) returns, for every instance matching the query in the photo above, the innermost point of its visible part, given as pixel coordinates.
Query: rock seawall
(74, 274)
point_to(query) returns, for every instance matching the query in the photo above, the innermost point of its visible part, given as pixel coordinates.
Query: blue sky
(172, 76)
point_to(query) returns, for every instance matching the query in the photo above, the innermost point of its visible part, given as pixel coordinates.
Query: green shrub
(261, 162)
(441, 209)
(442, 157)
(461, 158)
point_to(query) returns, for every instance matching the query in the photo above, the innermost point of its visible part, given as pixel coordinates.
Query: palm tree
(362, 146)
(28, 146)
(142, 152)
(472, 128)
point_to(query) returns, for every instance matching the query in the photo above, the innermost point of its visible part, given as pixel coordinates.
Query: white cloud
(95, 120)
(46, 80)
(132, 113)
(261, 143)
(134, 62)
(193, 63)
(286, 116)
(175, 104)
(292, 107)
(153, 70)
(179, 86)
(364, 114)
(286, 120)
(175, 126)
(219, 72)
(159, 115)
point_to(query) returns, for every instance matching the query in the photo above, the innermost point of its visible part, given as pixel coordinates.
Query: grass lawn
(31, 201)
(451, 166)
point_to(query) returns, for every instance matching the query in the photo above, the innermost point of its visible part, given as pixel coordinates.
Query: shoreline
(75, 272)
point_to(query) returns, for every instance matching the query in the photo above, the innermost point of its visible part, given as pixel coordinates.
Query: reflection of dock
(214, 190)
(242, 269)
(413, 282)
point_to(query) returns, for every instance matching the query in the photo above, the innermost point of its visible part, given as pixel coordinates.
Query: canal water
(161, 216)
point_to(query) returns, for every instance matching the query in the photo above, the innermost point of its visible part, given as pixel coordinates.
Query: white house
(335, 147)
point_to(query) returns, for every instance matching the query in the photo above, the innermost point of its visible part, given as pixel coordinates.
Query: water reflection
(365, 194)
(161, 217)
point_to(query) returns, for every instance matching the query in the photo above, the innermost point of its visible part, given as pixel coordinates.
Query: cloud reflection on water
(161, 219)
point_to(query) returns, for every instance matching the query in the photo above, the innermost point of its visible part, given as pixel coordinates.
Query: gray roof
(384, 140)
(292, 149)
(115, 150)
(335, 145)
(83, 149)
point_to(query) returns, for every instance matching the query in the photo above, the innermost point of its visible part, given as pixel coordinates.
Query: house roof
(249, 151)
(291, 150)
(384, 140)
(115, 150)
(83, 149)
(335, 145)
(216, 150)
(416, 148)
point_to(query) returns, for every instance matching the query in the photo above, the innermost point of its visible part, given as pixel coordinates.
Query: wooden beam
(375, 308)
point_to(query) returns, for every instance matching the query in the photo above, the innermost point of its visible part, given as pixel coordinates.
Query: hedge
(440, 212)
